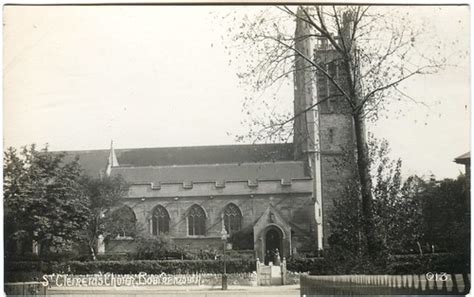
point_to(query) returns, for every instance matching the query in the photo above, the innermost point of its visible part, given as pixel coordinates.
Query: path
(171, 291)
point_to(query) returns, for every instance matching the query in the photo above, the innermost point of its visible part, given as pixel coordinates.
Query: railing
(25, 289)
(448, 284)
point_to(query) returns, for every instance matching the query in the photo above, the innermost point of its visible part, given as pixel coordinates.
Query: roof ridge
(178, 147)
(128, 166)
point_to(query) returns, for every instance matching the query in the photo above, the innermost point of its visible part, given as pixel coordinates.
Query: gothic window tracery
(232, 218)
(160, 221)
(124, 222)
(196, 221)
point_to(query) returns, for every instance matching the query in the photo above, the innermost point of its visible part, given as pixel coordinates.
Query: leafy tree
(346, 240)
(121, 222)
(446, 220)
(375, 54)
(43, 200)
(415, 216)
(105, 196)
(397, 207)
(397, 216)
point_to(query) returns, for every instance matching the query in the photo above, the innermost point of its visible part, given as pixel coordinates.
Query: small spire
(112, 160)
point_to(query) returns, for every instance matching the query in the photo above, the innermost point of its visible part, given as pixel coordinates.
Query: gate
(271, 275)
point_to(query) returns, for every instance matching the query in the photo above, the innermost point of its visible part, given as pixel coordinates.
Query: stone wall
(296, 209)
(118, 246)
(336, 134)
(337, 162)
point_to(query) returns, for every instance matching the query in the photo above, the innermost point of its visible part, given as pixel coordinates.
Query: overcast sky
(154, 76)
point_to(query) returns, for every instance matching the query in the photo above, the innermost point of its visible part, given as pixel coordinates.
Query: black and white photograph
(236, 149)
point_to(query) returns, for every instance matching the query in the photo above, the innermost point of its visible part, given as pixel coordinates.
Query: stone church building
(278, 195)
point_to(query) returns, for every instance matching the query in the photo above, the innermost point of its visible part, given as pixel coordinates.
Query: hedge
(449, 263)
(156, 267)
(406, 264)
(26, 271)
(402, 264)
(297, 264)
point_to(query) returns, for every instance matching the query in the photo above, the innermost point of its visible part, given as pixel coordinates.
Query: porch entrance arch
(273, 242)
(271, 232)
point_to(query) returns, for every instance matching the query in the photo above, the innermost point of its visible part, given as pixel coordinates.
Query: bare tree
(374, 52)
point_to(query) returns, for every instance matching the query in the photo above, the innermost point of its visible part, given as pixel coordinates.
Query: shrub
(116, 257)
(302, 264)
(21, 276)
(214, 254)
(157, 267)
(206, 254)
(23, 266)
(242, 240)
(154, 248)
(240, 254)
(23, 257)
(400, 264)
(449, 263)
(27, 270)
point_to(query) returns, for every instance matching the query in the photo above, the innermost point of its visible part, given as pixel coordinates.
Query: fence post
(444, 288)
(455, 288)
(382, 285)
(258, 272)
(283, 271)
(302, 285)
(420, 283)
(467, 283)
(435, 285)
(427, 286)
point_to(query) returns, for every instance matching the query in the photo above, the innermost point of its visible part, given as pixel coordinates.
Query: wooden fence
(25, 289)
(337, 285)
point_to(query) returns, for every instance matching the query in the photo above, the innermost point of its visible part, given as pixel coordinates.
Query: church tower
(306, 123)
(323, 129)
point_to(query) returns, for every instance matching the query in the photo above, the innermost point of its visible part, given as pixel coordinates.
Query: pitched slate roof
(94, 161)
(285, 170)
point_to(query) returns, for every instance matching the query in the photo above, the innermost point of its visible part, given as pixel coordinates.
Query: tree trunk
(363, 168)
(419, 248)
(92, 250)
(43, 248)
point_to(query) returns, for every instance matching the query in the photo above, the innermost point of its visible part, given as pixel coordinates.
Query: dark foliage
(27, 270)
(445, 211)
(156, 248)
(415, 216)
(116, 257)
(312, 265)
(43, 201)
(397, 265)
(107, 216)
(242, 240)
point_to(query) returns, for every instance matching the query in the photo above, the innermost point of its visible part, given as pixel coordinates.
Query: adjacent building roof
(95, 161)
(464, 158)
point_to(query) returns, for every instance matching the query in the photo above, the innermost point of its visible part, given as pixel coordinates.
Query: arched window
(160, 221)
(232, 218)
(196, 221)
(123, 222)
